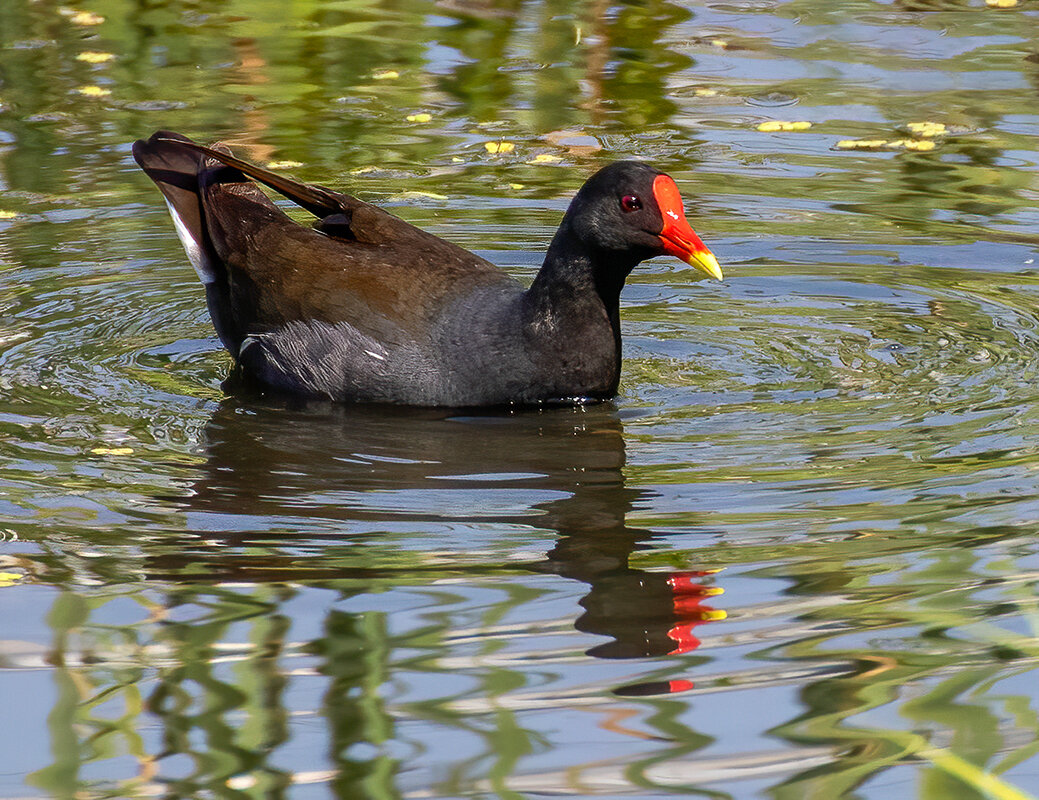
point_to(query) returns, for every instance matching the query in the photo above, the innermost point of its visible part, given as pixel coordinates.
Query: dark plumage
(367, 308)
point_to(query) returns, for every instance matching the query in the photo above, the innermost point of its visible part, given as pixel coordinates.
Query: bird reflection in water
(343, 466)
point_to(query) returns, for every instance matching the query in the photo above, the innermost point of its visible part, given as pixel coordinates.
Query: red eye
(630, 203)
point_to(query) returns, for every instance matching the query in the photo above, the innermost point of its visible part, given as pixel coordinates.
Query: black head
(629, 211)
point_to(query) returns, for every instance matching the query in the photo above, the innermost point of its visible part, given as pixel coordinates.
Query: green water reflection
(795, 559)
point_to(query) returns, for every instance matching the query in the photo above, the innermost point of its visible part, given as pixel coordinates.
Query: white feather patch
(196, 255)
(248, 341)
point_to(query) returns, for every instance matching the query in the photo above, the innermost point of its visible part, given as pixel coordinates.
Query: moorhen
(364, 307)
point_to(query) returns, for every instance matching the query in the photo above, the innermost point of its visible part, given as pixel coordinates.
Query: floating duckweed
(499, 147)
(545, 158)
(861, 144)
(927, 129)
(112, 451)
(95, 57)
(386, 75)
(918, 145)
(286, 164)
(782, 125)
(420, 117)
(921, 145)
(417, 195)
(1001, 3)
(705, 92)
(83, 17)
(94, 91)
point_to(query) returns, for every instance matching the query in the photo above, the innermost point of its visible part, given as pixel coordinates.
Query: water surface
(797, 556)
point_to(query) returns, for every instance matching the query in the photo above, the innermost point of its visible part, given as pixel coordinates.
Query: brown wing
(362, 265)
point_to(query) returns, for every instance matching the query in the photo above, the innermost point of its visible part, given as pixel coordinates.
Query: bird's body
(365, 307)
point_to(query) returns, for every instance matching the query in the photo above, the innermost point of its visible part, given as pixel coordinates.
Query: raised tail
(180, 172)
(316, 199)
(176, 170)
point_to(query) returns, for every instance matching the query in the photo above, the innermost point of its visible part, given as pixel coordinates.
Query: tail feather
(317, 200)
(180, 172)
(175, 170)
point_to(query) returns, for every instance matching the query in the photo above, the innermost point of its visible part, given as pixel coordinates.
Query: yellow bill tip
(706, 262)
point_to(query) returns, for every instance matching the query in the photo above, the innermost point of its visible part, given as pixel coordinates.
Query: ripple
(772, 99)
